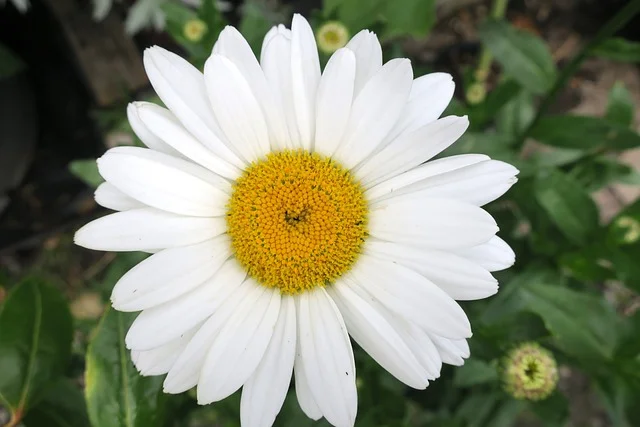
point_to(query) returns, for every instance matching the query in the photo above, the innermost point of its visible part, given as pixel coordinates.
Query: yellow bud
(630, 228)
(476, 93)
(331, 36)
(530, 372)
(194, 30)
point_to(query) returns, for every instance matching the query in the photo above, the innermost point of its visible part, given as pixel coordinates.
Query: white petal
(147, 137)
(232, 45)
(238, 348)
(164, 182)
(430, 95)
(264, 393)
(305, 77)
(416, 299)
(421, 345)
(162, 323)
(181, 88)
(412, 149)
(276, 64)
(169, 273)
(158, 361)
(368, 52)
(335, 95)
(391, 186)
(165, 126)
(376, 336)
(476, 184)
(459, 278)
(453, 352)
(431, 223)
(494, 255)
(236, 108)
(328, 357)
(185, 372)
(111, 198)
(146, 229)
(375, 110)
(303, 391)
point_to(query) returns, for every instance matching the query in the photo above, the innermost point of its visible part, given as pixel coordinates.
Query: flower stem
(618, 21)
(484, 63)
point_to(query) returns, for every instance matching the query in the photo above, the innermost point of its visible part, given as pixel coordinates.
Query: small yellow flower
(630, 227)
(194, 30)
(530, 372)
(331, 36)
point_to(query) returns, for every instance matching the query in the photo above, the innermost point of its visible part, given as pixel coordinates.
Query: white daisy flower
(287, 209)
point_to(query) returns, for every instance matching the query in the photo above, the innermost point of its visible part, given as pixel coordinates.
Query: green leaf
(584, 132)
(516, 115)
(10, 64)
(596, 173)
(35, 343)
(356, 14)
(412, 17)
(568, 205)
(523, 56)
(552, 411)
(506, 413)
(582, 325)
(620, 107)
(87, 171)
(618, 49)
(475, 372)
(62, 405)
(117, 396)
(482, 114)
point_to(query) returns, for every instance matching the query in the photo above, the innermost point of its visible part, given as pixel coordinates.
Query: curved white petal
(460, 278)
(477, 184)
(232, 45)
(411, 149)
(377, 337)
(335, 96)
(108, 196)
(303, 391)
(162, 323)
(368, 52)
(375, 111)
(328, 357)
(185, 372)
(264, 393)
(146, 229)
(166, 127)
(276, 64)
(398, 183)
(411, 296)
(452, 352)
(168, 274)
(159, 360)
(494, 255)
(305, 77)
(145, 135)
(238, 348)
(181, 88)
(236, 108)
(430, 95)
(431, 223)
(164, 182)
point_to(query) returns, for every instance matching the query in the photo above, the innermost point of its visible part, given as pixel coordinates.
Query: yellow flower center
(296, 220)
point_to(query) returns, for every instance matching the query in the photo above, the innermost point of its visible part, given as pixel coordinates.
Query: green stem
(484, 63)
(613, 25)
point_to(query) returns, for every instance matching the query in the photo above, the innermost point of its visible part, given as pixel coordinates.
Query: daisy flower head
(287, 209)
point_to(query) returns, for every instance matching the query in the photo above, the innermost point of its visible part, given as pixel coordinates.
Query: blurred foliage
(568, 257)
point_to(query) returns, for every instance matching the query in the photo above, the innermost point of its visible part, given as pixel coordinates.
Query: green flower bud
(529, 372)
(331, 36)
(194, 30)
